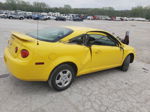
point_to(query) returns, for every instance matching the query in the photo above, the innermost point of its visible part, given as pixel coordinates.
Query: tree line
(43, 7)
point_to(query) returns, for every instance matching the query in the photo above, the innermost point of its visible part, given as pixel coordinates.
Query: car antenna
(37, 31)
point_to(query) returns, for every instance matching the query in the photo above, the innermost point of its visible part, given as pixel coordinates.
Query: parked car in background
(77, 19)
(15, 16)
(69, 18)
(51, 17)
(43, 17)
(40, 17)
(59, 18)
(3, 15)
(28, 16)
(89, 17)
(35, 17)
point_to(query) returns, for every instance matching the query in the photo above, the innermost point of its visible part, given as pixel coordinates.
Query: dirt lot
(106, 91)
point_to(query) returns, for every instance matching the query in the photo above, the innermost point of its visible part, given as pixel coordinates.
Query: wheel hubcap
(63, 78)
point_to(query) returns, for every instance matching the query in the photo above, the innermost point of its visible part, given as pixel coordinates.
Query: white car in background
(90, 17)
(3, 15)
(70, 18)
(51, 17)
(15, 16)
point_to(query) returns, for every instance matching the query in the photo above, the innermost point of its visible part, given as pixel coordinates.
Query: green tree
(67, 6)
(40, 6)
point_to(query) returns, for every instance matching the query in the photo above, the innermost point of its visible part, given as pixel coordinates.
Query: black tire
(10, 17)
(56, 73)
(126, 63)
(21, 18)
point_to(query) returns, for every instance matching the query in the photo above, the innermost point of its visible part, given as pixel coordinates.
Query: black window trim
(111, 37)
(70, 40)
(115, 44)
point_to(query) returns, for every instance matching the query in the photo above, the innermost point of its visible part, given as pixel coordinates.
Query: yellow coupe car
(59, 54)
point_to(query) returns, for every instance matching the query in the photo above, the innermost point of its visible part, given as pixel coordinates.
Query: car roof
(77, 30)
(83, 29)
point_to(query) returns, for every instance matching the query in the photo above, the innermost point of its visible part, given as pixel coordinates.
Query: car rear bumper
(24, 70)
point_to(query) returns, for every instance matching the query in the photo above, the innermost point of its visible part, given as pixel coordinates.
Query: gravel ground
(105, 91)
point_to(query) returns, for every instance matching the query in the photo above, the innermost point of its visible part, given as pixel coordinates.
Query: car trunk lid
(18, 42)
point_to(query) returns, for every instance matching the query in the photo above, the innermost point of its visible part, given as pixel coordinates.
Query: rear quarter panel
(58, 53)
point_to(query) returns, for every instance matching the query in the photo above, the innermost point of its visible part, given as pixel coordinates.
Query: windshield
(51, 34)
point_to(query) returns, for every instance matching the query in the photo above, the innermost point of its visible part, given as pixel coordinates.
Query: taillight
(24, 53)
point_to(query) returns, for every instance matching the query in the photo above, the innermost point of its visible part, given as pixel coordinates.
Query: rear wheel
(126, 63)
(62, 77)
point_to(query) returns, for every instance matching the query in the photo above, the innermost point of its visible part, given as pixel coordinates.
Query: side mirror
(126, 39)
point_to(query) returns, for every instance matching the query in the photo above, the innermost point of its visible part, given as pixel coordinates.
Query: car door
(83, 54)
(105, 51)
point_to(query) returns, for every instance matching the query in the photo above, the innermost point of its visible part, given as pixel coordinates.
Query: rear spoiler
(22, 37)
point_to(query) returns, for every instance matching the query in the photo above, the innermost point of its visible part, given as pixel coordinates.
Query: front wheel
(126, 63)
(61, 77)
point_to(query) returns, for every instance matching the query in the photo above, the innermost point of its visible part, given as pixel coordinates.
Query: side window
(77, 40)
(96, 39)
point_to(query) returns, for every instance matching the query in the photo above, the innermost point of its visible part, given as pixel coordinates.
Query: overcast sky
(117, 4)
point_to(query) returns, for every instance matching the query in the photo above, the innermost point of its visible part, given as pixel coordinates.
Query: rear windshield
(51, 34)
